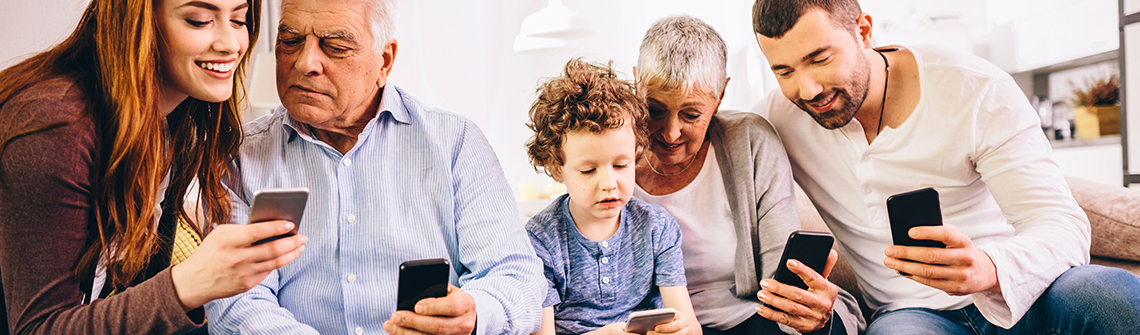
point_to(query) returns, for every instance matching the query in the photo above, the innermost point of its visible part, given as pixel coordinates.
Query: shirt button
(351, 218)
(348, 162)
(865, 159)
(605, 244)
(351, 278)
(605, 280)
(359, 330)
(605, 260)
(866, 189)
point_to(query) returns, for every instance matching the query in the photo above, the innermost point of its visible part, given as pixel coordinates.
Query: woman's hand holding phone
(958, 269)
(804, 310)
(228, 263)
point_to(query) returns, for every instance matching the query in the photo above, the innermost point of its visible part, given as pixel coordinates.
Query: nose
(310, 57)
(227, 40)
(808, 86)
(608, 181)
(671, 128)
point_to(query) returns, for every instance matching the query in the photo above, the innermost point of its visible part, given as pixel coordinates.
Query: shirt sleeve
(46, 202)
(548, 265)
(669, 264)
(1052, 233)
(256, 311)
(500, 269)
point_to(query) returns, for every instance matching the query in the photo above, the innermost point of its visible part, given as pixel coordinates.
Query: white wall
(32, 26)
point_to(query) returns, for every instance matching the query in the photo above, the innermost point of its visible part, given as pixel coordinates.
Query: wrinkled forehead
(341, 18)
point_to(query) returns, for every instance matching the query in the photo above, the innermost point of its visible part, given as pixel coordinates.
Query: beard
(847, 101)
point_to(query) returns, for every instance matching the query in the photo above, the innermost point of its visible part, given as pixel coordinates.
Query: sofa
(1113, 211)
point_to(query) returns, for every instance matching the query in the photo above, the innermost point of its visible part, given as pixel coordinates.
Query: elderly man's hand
(958, 269)
(453, 314)
(806, 311)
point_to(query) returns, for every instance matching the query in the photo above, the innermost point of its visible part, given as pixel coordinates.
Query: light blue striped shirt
(419, 183)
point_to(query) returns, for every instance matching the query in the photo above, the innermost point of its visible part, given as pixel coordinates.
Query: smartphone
(424, 278)
(808, 247)
(641, 322)
(279, 204)
(913, 209)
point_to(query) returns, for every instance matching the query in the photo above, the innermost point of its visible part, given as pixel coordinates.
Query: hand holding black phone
(419, 279)
(914, 209)
(807, 247)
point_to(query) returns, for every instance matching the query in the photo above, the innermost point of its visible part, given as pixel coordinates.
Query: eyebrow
(337, 34)
(809, 56)
(210, 6)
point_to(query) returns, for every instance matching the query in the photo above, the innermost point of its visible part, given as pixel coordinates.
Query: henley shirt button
(351, 218)
(605, 244)
(359, 330)
(348, 162)
(865, 159)
(867, 190)
(605, 280)
(605, 260)
(351, 278)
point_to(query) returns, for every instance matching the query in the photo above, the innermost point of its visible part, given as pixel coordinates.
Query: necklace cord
(883, 103)
(651, 167)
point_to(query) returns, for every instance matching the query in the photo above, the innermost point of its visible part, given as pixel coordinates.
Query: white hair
(381, 19)
(682, 52)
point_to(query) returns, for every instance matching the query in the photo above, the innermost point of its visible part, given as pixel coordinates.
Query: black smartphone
(913, 209)
(423, 278)
(279, 204)
(808, 247)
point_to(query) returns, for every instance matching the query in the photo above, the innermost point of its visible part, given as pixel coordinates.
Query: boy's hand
(680, 325)
(958, 269)
(452, 314)
(806, 311)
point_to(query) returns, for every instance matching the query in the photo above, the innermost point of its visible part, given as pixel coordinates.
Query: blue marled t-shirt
(596, 283)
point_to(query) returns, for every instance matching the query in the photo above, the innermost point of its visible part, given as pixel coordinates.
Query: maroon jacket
(46, 208)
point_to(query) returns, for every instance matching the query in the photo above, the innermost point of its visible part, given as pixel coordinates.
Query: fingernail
(889, 262)
(400, 320)
(760, 294)
(764, 284)
(288, 226)
(890, 252)
(792, 262)
(304, 239)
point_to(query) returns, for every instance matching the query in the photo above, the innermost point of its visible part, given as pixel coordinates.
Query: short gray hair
(383, 22)
(682, 52)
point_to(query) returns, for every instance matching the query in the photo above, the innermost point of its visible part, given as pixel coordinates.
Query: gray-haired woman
(726, 179)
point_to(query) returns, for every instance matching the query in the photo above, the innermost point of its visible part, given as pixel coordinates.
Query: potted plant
(1096, 110)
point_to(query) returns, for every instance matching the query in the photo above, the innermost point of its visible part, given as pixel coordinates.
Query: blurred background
(484, 58)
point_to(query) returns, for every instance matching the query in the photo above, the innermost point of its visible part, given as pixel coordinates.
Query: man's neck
(902, 92)
(342, 137)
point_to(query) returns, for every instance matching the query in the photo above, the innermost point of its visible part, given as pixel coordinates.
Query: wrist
(187, 296)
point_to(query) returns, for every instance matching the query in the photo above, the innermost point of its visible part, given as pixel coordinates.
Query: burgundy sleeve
(45, 204)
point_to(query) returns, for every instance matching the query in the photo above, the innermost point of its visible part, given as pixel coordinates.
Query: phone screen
(279, 204)
(913, 209)
(809, 248)
(419, 279)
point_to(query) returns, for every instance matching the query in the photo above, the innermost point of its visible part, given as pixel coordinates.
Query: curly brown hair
(587, 96)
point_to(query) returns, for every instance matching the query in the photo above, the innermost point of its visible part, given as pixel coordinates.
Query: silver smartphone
(279, 204)
(641, 322)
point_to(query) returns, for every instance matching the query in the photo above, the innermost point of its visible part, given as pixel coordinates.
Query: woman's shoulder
(54, 100)
(738, 121)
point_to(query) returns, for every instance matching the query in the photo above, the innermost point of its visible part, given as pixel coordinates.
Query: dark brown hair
(113, 55)
(586, 97)
(773, 18)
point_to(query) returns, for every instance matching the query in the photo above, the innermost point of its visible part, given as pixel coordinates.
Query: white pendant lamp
(550, 28)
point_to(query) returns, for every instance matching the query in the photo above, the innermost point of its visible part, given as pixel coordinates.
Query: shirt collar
(391, 102)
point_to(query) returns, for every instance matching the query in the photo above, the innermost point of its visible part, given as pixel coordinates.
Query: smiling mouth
(224, 67)
(668, 146)
(820, 105)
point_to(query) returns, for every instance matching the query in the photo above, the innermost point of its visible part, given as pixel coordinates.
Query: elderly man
(391, 181)
(861, 124)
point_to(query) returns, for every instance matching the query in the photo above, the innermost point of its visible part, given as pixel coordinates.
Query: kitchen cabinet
(1050, 36)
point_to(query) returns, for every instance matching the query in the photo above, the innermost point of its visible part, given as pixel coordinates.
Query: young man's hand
(958, 269)
(805, 311)
(452, 314)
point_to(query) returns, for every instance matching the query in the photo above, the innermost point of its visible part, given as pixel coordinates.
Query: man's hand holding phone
(452, 314)
(959, 269)
(804, 310)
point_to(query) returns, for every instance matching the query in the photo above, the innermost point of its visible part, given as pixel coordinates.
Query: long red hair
(113, 54)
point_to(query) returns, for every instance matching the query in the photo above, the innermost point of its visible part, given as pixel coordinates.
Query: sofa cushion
(1114, 212)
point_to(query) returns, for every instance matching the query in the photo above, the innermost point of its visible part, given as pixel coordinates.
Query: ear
(556, 174)
(389, 58)
(863, 25)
